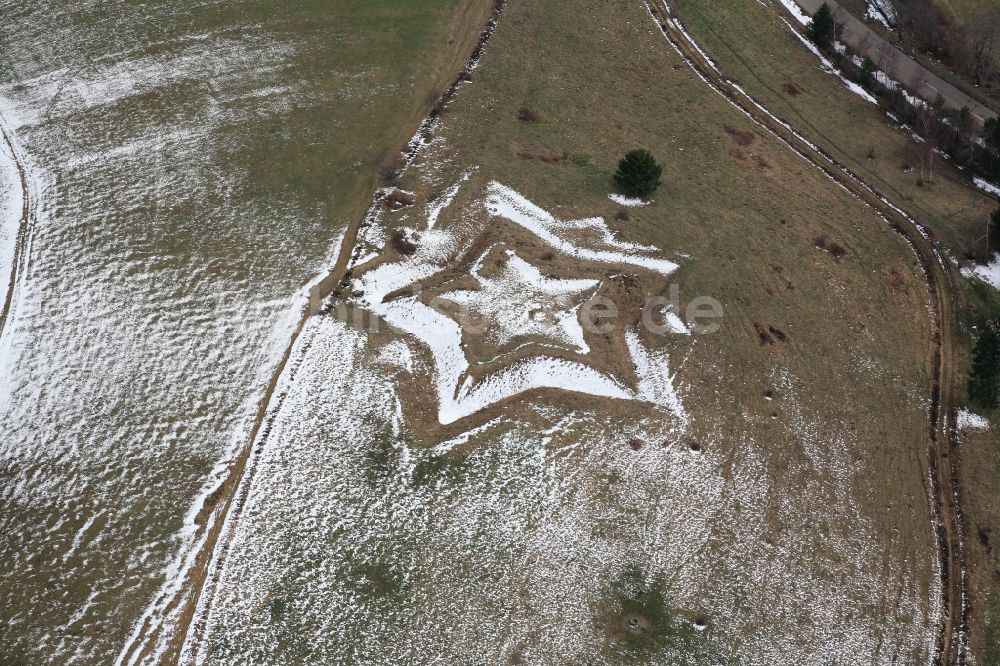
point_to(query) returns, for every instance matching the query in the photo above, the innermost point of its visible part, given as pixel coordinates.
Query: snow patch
(628, 202)
(966, 420)
(986, 186)
(989, 273)
(459, 393)
(520, 301)
(826, 65)
(505, 202)
(796, 12)
(435, 208)
(882, 11)
(12, 197)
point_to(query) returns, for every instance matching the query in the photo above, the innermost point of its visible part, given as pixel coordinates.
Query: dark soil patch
(897, 281)
(824, 243)
(636, 624)
(778, 333)
(741, 138)
(526, 115)
(762, 334)
(791, 89)
(402, 244)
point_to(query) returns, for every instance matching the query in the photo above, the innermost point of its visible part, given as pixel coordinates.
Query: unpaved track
(941, 283)
(19, 259)
(224, 505)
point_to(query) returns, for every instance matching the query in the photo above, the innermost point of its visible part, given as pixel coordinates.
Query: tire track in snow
(950, 644)
(21, 234)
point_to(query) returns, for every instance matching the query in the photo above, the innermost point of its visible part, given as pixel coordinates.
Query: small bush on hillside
(827, 245)
(402, 244)
(867, 70)
(638, 174)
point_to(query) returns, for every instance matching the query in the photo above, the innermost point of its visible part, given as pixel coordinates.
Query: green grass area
(642, 627)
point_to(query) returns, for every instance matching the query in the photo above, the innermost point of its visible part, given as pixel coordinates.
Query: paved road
(900, 67)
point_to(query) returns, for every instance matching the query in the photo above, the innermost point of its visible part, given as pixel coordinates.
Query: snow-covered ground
(825, 63)
(357, 542)
(507, 203)
(426, 542)
(883, 12)
(988, 273)
(628, 202)
(967, 420)
(507, 302)
(12, 199)
(521, 301)
(361, 539)
(986, 186)
(163, 280)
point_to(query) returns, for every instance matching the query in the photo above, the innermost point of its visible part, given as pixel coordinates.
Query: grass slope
(764, 56)
(802, 532)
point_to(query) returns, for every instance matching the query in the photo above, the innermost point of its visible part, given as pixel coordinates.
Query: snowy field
(537, 494)
(186, 190)
(553, 530)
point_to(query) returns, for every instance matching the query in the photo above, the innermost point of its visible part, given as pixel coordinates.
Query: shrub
(994, 232)
(638, 174)
(822, 28)
(984, 376)
(402, 244)
(867, 70)
(827, 245)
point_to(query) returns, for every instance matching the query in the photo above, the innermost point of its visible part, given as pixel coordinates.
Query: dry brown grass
(745, 229)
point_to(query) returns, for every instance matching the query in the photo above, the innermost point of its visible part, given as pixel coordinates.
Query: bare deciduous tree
(896, 21)
(929, 127)
(981, 32)
(927, 21)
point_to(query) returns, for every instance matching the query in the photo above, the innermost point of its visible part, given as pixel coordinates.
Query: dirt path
(941, 281)
(21, 237)
(163, 631)
(901, 67)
